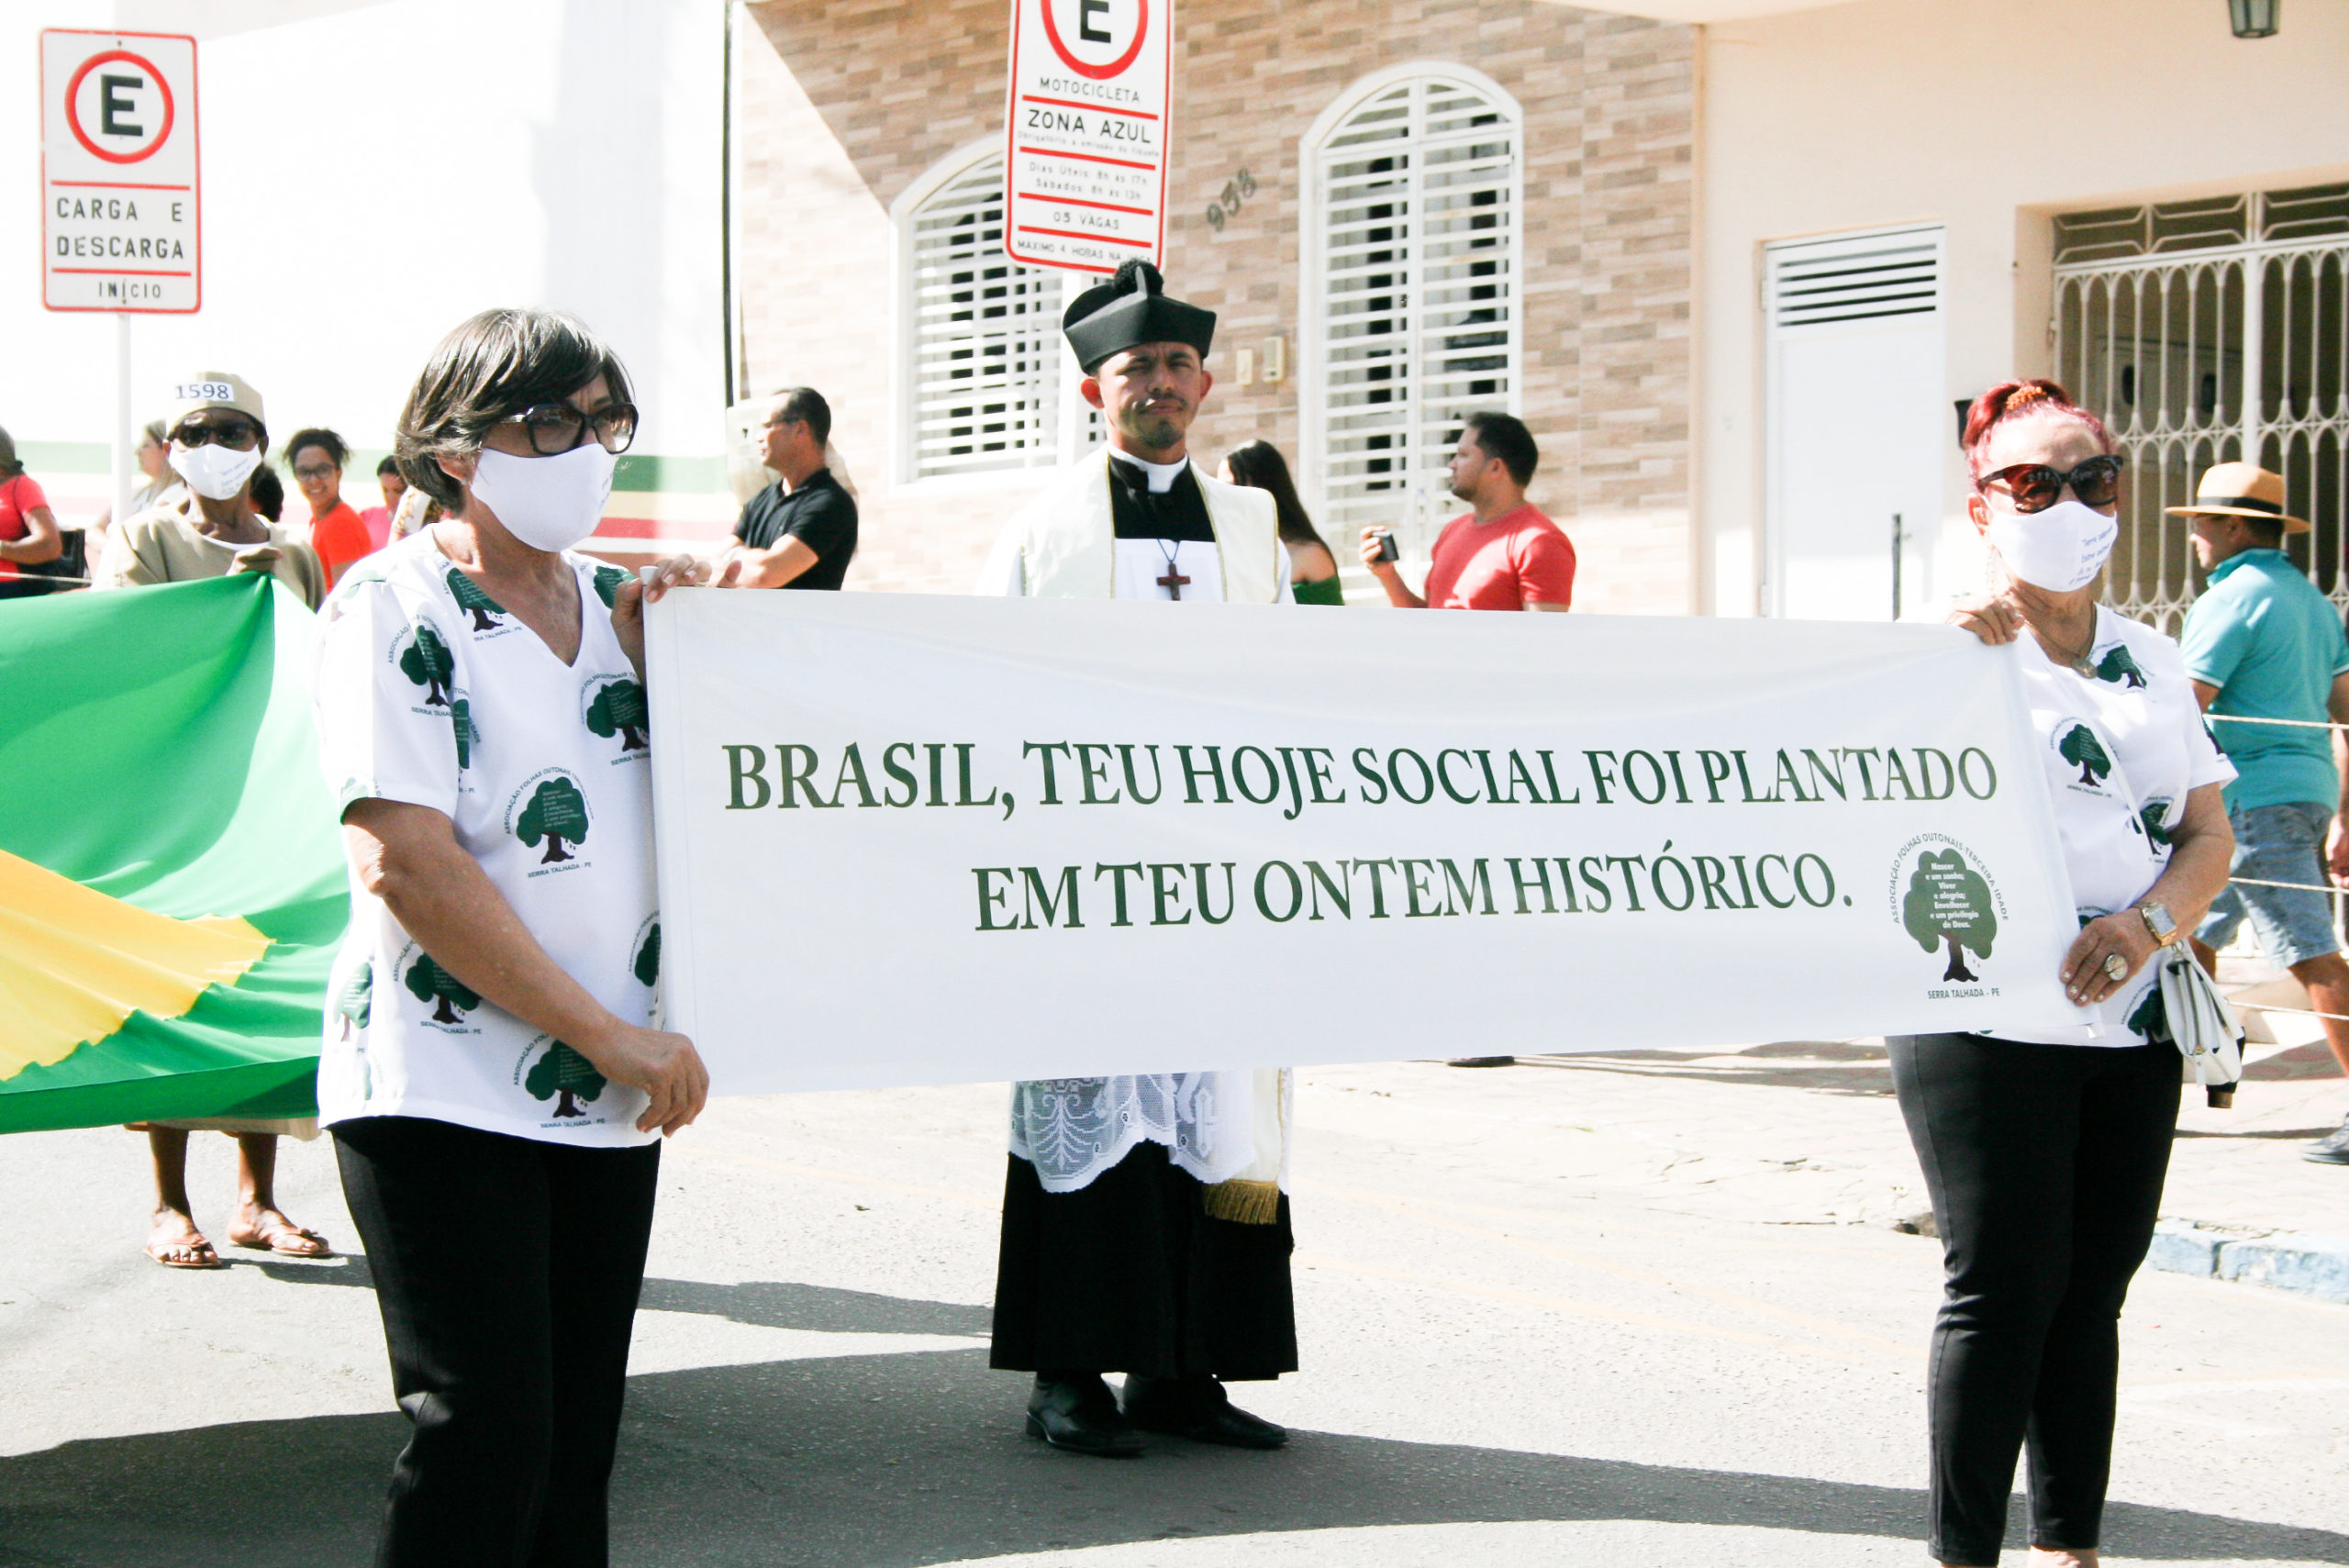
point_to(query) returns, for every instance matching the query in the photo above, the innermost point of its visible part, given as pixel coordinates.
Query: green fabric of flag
(156, 749)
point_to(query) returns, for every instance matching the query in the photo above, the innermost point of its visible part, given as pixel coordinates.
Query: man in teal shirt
(2263, 643)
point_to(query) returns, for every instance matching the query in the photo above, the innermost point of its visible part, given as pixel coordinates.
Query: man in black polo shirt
(800, 531)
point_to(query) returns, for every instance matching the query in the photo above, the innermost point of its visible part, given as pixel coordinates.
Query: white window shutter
(984, 344)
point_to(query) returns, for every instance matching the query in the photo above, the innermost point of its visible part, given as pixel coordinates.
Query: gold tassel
(1244, 1202)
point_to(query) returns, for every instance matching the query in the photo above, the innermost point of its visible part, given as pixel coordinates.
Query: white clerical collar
(1160, 475)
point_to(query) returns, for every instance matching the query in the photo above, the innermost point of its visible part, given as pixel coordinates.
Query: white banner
(913, 840)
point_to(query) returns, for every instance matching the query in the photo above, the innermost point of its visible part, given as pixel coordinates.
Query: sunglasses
(557, 427)
(2036, 486)
(236, 435)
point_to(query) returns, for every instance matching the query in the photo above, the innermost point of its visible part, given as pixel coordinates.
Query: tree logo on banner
(565, 1077)
(2079, 745)
(1949, 904)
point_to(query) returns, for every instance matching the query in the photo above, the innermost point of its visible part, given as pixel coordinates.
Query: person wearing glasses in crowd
(800, 531)
(2045, 1156)
(2264, 642)
(217, 441)
(1313, 571)
(495, 1086)
(211, 528)
(336, 531)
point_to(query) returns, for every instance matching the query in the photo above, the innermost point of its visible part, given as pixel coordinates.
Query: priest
(1144, 1227)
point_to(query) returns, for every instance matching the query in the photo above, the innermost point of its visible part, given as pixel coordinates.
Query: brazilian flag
(171, 885)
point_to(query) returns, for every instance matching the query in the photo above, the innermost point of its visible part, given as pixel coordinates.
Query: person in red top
(27, 529)
(317, 457)
(1503, 554)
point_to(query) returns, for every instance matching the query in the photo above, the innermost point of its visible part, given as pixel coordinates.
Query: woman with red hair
(2045, 1156)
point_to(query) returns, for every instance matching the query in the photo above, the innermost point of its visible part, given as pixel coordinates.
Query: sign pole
(125, 444)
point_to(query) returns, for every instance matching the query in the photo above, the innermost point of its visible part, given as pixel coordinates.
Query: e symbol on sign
(1084, 28)
(112, 105)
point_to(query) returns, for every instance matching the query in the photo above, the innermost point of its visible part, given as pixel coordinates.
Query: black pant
(2045, 1166)
(507, 1273)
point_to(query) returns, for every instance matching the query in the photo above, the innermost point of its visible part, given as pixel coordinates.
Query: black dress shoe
(1079, 1415)
(1197, 1408)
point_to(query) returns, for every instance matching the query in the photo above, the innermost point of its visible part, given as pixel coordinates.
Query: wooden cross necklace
(1174, 581)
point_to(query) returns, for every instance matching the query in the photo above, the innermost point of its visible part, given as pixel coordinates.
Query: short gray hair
(493, 366)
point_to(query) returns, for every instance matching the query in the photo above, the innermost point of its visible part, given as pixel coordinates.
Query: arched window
(982, 368)
(1410, 287)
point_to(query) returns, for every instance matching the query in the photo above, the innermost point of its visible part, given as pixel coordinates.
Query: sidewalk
(1807, 1133)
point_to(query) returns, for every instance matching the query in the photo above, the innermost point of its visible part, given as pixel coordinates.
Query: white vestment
(1217, 1127)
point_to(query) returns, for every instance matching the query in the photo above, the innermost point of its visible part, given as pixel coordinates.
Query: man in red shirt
(317, 457)
(1503, 554)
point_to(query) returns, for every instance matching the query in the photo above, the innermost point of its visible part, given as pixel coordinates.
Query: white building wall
(375, 172)
(1986, 116)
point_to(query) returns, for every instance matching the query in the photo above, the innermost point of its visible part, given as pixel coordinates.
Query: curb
(2316, 1266)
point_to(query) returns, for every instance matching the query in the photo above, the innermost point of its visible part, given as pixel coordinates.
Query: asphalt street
(1536, 1328)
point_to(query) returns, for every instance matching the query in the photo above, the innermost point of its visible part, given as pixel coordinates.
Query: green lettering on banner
(1340, 894)
(1444, 775)
(1207, 907)
(1118, 882)
(1926, 758)
(1035, 892)
(1550, 772)
(1895, 769)
(1762, 881)
(1090, 773)
(1520, 773)
(1316, 772)
(1240, 775)
(1043, 750)
(1295, 891)
(1824, 776)
(1366, 765)
(1465, 888)
(852, 772)
(1632, 782)
(1863, 755)
(1191, 776)
(1161, 896)
(1378, 889)
(1133, 785)
(937, 749)
(1716, 766)
(1541, 874)
(1395, 776)
(900, 776)
(989, 898)
(795, 768)
(1786, 784)
(1600, 777)
(755, 773)
(1965, 774)
(962, 750)
(1413, 885)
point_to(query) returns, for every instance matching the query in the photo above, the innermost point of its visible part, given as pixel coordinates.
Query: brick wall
(849, 102)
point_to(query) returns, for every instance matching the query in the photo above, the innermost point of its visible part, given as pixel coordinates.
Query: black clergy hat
(1133, 307)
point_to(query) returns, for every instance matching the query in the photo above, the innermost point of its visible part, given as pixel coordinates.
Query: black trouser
(507, 1273)
(2045, 1166)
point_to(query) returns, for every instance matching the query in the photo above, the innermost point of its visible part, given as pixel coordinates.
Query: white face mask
(548, 503)
(214, 471)
(2059, 550)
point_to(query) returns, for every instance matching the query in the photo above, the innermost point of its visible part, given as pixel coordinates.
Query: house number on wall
(1236, 190)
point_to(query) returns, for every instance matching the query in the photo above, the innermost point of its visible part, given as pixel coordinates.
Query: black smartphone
(1386, 550)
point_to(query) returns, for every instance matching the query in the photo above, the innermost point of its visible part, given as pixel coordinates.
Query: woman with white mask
(2045, 1157)
(215, 442)
(492, 1072)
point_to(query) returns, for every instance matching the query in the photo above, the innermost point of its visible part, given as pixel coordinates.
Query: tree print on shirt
(646, 968)
(470, 598)
(2119, 668)
(2080, 745)
(451, 999)
(618, 710)
(566, 1077)
(557, 815)
(427, 663)
(607, 582)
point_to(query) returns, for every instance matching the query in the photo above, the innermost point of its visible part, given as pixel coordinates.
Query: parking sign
(1086, 159)
(122, 188)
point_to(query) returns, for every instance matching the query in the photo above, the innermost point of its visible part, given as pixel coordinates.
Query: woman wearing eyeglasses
(216, 441)
(2045, 1157)
(495, 1085)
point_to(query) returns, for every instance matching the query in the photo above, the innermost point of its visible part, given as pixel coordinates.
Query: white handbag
(2202, 1023)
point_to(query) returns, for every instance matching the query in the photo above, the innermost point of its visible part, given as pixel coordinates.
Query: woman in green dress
(1313, 571)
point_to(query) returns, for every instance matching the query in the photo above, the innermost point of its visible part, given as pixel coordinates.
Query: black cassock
(1130, 1272)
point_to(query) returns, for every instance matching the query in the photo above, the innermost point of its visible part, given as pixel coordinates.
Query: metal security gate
(2203, 332)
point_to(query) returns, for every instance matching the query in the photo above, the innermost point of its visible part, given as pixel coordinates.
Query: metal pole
(1895, 565)
(125, 447)
(2255, 347)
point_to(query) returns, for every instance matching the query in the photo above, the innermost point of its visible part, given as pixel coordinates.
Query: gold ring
(2116, 966)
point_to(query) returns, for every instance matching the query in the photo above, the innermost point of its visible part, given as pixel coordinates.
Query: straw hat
(2241, 490)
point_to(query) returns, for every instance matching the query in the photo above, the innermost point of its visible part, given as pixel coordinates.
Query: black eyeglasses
(238, 435)
(2036, 486)
(558, 427)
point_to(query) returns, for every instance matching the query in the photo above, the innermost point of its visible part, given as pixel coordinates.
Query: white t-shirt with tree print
(2121, 750)
(428, 692)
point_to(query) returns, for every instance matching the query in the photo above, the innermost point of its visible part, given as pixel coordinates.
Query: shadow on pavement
(881, 1460)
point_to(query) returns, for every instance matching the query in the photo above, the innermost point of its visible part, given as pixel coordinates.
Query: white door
(1857, 423)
